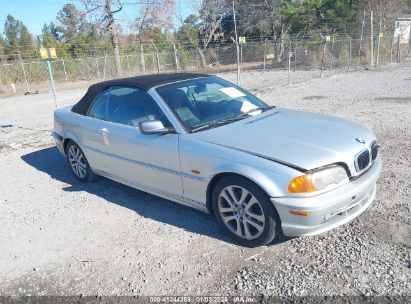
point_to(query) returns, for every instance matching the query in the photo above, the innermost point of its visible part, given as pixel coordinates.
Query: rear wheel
(78, 163)
(245, 211)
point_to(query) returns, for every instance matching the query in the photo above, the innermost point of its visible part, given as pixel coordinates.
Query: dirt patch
(314, 97)
(394, 99)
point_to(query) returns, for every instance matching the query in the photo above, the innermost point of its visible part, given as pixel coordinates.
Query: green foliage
(188, 32)
(71, 22)
(16, 35)
(327, 15)
(17, 39)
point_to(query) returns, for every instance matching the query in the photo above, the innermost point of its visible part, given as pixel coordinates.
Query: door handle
(104, 131)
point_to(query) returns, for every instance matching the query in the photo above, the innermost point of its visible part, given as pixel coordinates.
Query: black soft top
(145, 82)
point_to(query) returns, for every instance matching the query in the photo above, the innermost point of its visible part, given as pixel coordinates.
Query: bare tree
(211, 14)
(104, 9)
(386, 10)
(264, 17)
(154, 18)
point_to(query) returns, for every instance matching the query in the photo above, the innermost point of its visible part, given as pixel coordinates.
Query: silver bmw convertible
(206, 143)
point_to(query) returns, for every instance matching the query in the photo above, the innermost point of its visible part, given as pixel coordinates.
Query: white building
(403, 28)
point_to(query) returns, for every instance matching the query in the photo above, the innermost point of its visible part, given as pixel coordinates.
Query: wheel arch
(65, 143)
(220, 175)
(70, 136)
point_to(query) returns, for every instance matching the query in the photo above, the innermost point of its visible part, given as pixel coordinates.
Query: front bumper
(330, 209)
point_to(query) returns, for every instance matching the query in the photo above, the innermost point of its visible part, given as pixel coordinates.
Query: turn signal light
(301, 184)
(300, 212)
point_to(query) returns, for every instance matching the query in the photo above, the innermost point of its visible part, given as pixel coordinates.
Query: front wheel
(245, 211)
(78, 163)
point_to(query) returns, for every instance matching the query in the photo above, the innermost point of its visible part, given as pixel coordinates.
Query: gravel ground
(61, 237)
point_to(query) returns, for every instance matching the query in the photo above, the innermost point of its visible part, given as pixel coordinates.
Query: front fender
(273, 183)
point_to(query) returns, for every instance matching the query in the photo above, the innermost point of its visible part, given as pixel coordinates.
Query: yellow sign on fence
(241, 40)
(48, 53)
(43, 53)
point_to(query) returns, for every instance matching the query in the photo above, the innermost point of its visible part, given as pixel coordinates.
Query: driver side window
(127, 106)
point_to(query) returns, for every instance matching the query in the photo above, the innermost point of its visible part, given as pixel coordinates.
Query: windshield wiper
(216, 123)
(262, 109)
(213, 124)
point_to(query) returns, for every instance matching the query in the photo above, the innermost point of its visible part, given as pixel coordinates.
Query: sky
(34, 13)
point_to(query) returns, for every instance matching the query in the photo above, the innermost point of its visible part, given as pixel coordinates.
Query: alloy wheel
(77, 161)
(241, 212)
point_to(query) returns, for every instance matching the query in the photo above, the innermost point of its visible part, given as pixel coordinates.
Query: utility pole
(372, 40)
(236, 42)
(113, 35)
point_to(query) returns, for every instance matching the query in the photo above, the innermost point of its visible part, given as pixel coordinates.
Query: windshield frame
(232, 119)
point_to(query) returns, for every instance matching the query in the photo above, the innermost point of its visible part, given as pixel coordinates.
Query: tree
(105, 12)
(71, 21)
(189, 30)
(155, 21)
(47, 37)
(211, 14)
(2, 48)
(154, 24)
(16, 35)
(386, 11)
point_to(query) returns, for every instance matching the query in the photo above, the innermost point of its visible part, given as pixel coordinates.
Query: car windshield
(208, 102)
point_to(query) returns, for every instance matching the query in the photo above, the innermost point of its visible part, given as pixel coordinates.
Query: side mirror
(154, 127)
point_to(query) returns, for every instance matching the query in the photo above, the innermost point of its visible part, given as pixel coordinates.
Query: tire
(254, 222)
(78, 163)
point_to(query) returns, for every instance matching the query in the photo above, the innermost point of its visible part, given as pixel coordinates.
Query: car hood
(300, 139)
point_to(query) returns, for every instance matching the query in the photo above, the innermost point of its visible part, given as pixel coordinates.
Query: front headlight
(317, 180)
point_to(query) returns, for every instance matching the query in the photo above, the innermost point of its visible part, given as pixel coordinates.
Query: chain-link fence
(326, 53)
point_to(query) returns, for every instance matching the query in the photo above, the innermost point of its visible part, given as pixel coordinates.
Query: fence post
(98, 70)
(265, 52)
(399, 48)
(295, 55)
(350, 55)
(322, 58)
(372, 41)
(360, 47)
(142, 61)
(196, 52)
(241, 57)
(377, 62)
(24, 73)
(289, 60)
(176, 57)
(158, 62)
(392, 48)
(238, 60)
(332, 52)
(105, 65)
(409, 45)
(128, 64)
(157, 56)
(65, 72)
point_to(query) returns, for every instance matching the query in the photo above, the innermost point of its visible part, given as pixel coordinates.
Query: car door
(91, 131)
(151, 161)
